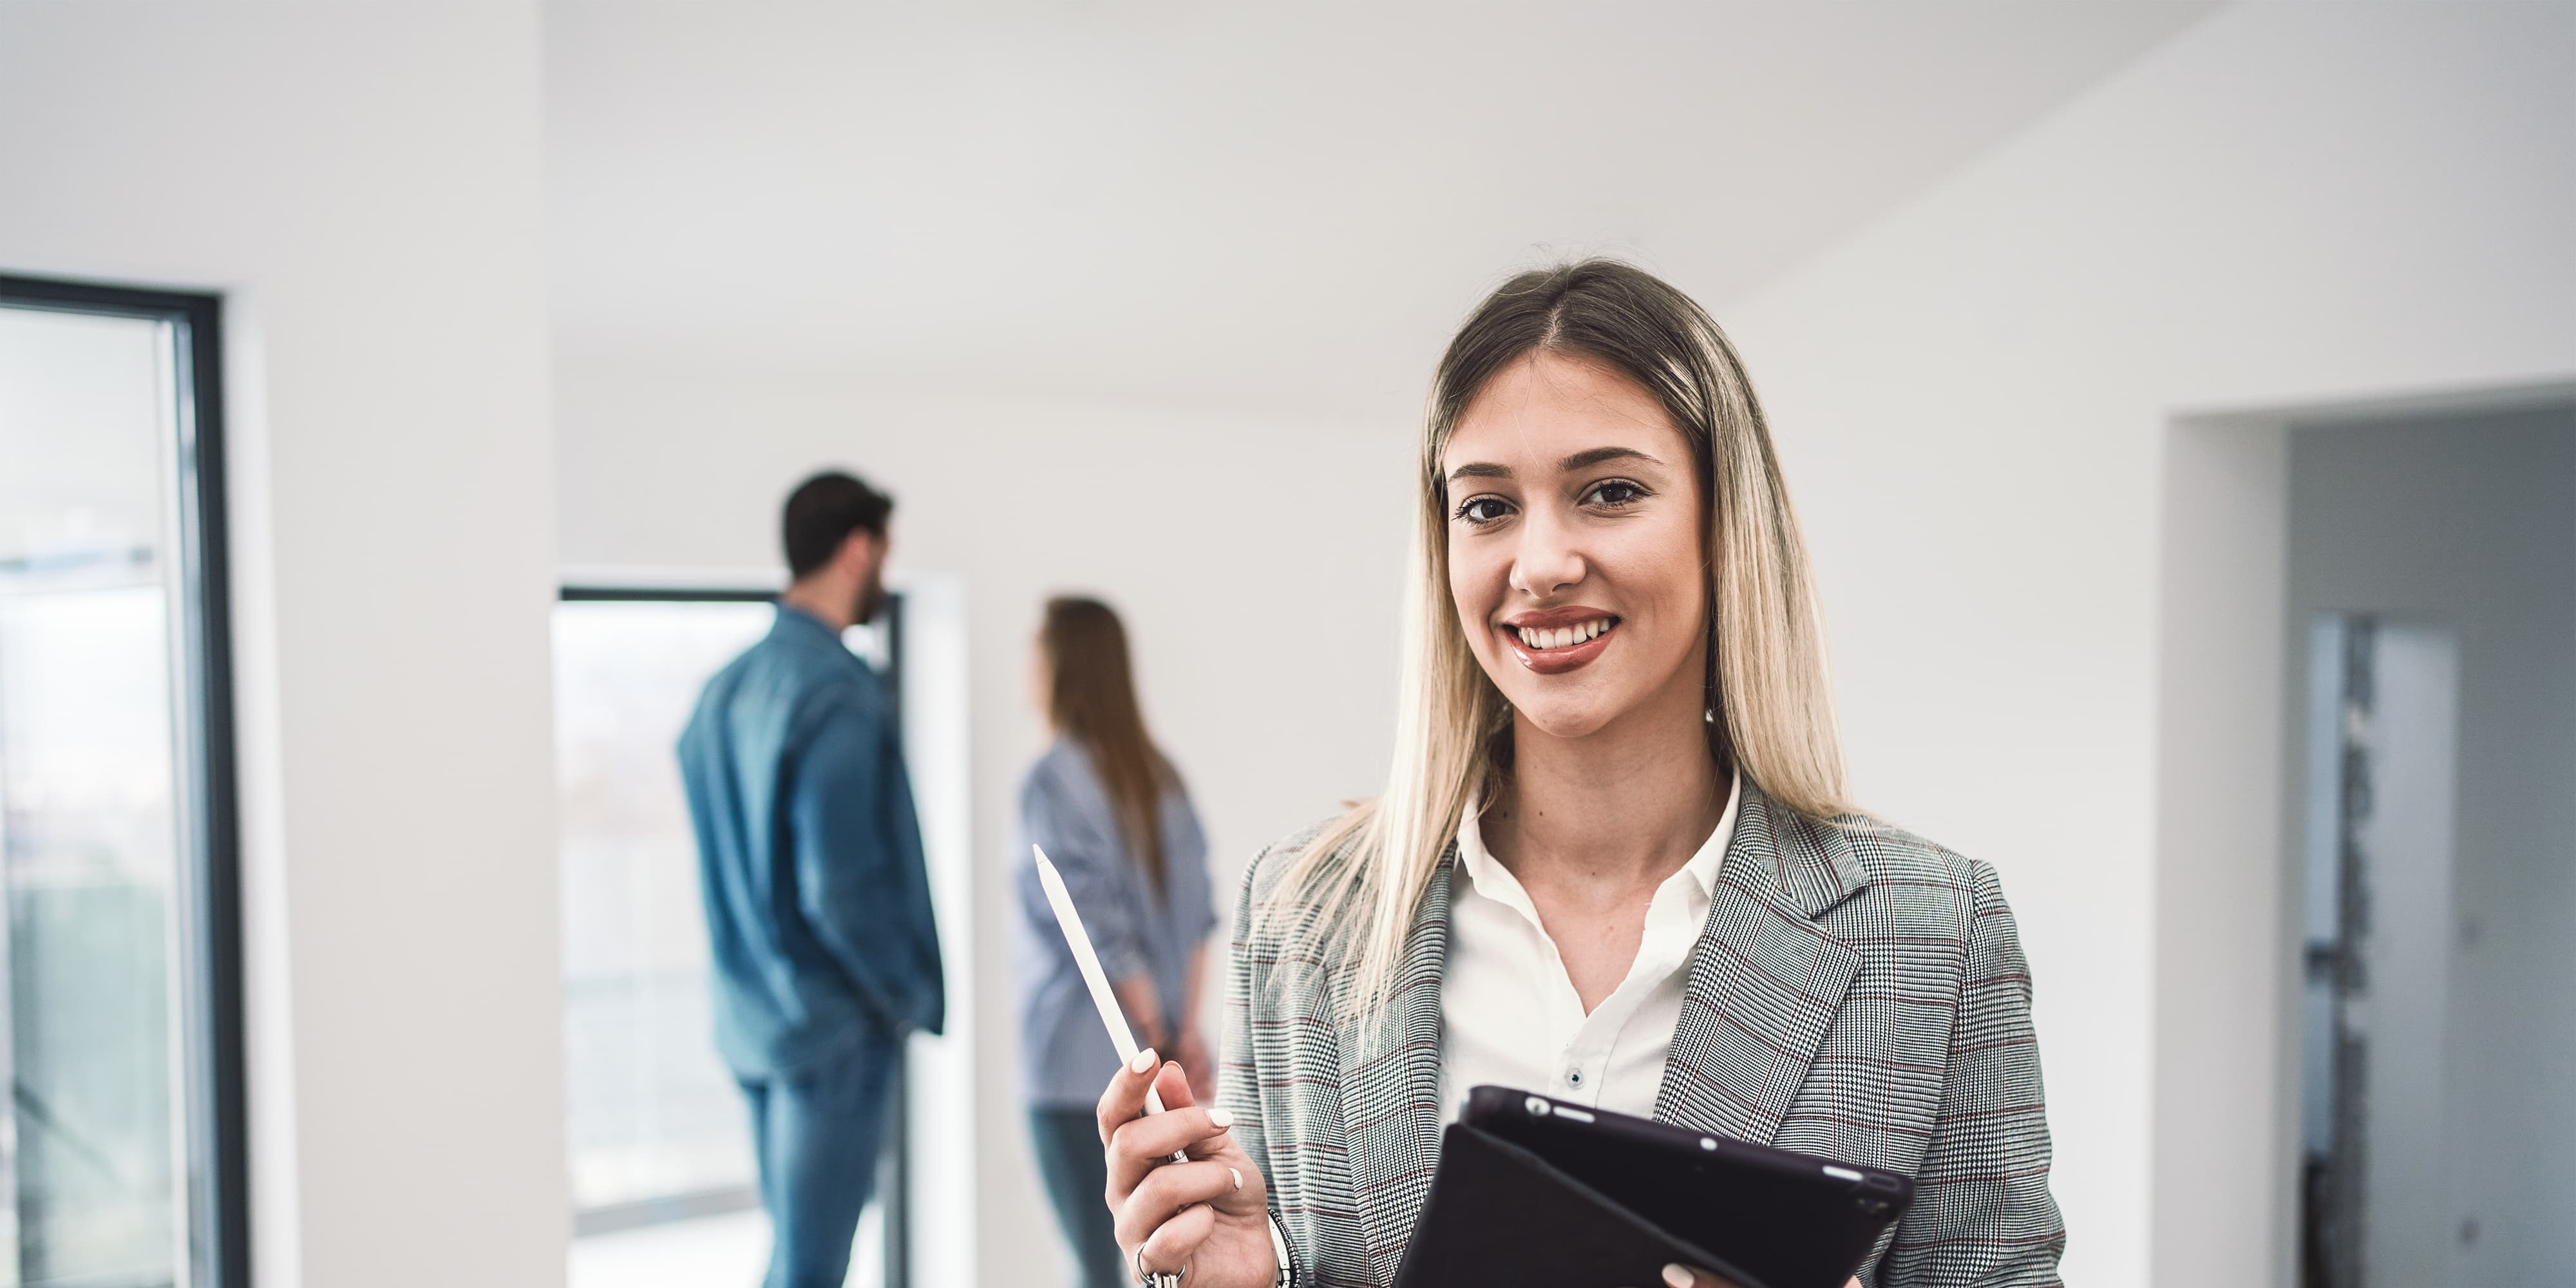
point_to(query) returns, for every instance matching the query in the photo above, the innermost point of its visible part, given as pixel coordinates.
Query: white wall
(1977, 402)
(1257, 561)
(364, 184)
(2465, 527)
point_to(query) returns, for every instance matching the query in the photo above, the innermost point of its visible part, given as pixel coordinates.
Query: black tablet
(1537, 1190)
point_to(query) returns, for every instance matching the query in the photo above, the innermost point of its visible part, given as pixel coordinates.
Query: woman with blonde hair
(1615, 860)
(1117, 823)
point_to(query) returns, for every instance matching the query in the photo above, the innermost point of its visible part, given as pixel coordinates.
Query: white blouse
(1509, 1014)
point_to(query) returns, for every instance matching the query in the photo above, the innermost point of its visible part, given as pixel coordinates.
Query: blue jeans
(1077, 1184)
(816, 1133)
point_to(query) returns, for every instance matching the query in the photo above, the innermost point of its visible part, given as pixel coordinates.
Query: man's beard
(871, 598)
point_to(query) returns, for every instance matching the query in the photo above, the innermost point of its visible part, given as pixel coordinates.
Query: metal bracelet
(1279, 1248)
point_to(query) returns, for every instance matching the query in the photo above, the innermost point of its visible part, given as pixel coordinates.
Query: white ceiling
(1288, 206)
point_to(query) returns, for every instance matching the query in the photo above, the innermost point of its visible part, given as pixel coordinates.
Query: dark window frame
(212, 1058)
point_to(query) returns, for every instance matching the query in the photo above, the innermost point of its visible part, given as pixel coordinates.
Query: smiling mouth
(1544, 640)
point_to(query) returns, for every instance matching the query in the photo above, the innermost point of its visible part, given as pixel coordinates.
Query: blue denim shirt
(1065, 1056)
(818, 905)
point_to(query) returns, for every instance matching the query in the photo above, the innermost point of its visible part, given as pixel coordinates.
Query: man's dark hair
(822, 513)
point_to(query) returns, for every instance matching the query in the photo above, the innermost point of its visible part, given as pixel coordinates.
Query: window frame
(894, 1178)
(210, 948)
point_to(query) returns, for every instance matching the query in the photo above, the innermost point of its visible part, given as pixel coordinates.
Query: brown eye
(1482, 509)
(1616, 493)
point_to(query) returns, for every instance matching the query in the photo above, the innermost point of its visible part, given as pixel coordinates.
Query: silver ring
(1157, 1278)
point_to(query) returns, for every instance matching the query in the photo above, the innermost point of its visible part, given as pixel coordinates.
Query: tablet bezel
(1822, 1217)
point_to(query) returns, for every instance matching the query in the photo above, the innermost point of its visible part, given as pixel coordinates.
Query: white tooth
(1562, 636)
(1524, 633)
(1592, 628)
(1547, 639)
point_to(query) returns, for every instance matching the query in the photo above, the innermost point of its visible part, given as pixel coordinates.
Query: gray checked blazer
(1858, 993)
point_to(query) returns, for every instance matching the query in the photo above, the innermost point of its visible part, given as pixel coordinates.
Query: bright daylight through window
(662, 1170)
(655, 1119)
(119, 1165)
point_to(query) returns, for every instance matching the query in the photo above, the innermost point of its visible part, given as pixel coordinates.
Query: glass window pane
(93, 1161)
(660, 1141)
(653, 1113)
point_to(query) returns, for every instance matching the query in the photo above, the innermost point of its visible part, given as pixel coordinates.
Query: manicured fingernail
(1238, 1177)
(1220, 1117)
(1679, 1276)
(1143, 1063)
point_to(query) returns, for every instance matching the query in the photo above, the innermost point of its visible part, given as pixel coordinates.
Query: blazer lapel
(1765, 980)
(1390, 1086)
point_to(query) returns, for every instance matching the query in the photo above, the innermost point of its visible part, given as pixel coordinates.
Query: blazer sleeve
(1982, 1212)
(1238, 1059)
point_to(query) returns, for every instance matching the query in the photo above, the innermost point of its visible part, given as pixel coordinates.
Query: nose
(1546, 560)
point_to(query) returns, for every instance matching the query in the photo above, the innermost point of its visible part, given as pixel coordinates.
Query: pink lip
(1555, 661)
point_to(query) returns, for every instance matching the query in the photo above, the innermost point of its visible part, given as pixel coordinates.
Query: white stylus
(1070, 921)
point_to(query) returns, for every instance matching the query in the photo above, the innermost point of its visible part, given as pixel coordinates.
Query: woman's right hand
(1210, 1214)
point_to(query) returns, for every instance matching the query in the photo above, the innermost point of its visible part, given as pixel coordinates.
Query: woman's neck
(1627, 805)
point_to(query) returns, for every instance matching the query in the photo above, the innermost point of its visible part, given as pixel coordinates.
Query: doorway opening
(658, 1142)
(2376, 904)
(2432, 564)
(2366, 843)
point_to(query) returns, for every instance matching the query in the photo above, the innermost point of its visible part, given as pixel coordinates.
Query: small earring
(1709, 715)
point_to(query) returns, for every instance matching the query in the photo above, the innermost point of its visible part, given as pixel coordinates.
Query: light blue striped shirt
(1065, 1056)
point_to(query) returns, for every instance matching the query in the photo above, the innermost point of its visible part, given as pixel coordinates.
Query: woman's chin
(1573, 713)
(1565, 720)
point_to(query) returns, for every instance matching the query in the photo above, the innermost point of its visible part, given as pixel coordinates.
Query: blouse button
(1574, 1077)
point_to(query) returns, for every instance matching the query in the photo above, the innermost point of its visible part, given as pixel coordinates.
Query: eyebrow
(1579, 461)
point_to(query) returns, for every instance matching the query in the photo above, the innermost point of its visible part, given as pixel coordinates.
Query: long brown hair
(1091, 698)
(1766, 685)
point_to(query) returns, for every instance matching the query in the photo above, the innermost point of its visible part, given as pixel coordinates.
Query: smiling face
(1577, 548)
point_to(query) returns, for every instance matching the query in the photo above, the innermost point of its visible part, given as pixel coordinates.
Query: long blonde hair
(1367, 872)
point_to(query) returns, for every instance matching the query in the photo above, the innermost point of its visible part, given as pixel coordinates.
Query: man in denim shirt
(818, 907)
